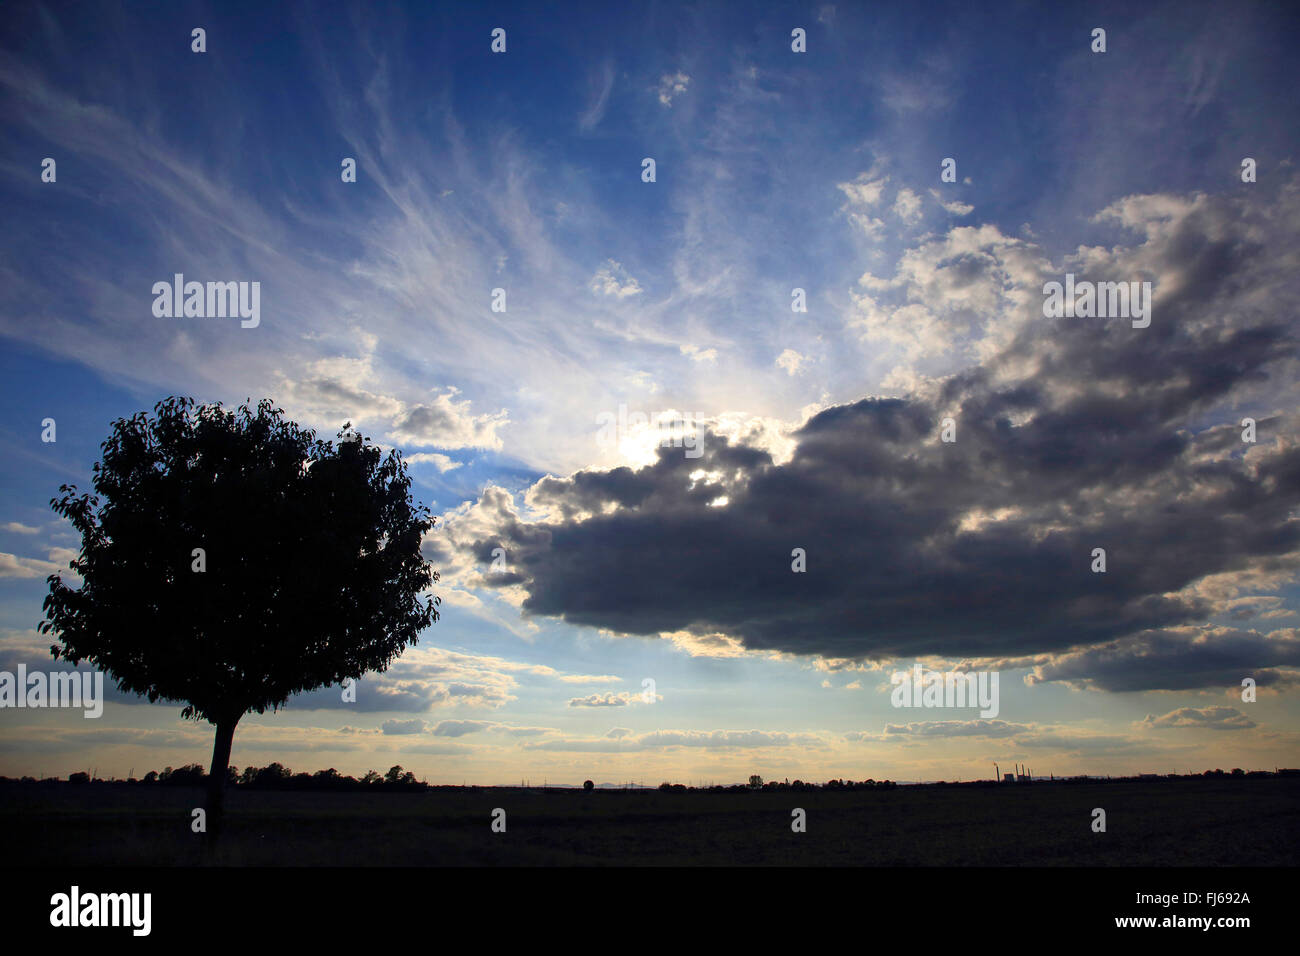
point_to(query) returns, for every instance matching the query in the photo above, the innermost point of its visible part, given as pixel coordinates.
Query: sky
(504, 297)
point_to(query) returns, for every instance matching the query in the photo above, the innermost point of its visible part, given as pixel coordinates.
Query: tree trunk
(217, 784)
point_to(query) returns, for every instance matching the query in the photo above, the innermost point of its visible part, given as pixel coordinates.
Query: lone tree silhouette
(237, 560)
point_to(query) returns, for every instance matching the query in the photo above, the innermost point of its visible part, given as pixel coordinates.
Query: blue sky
(775, 170)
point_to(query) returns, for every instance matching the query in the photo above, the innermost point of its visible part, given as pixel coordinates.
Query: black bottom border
(980, 906)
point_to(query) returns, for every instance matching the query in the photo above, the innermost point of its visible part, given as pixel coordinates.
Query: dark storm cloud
(1078, 434)
(1180, 659)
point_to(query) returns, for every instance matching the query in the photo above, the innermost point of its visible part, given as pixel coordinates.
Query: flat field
(1212, 822)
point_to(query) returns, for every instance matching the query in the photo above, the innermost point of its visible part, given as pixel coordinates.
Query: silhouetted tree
(327, 778)
(191, 775)
(588, 785)
(310, 570)
(272, 775)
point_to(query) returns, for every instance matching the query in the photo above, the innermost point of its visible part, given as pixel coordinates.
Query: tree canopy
(312, 571)
(230, 559)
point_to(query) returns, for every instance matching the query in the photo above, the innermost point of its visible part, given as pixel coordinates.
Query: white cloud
(613, 279)
(907, 206)
(697, 354)
(620, 699)
(671, 85)
(791, 361)
(956, 207)
(13, 566)
(443, 463)
(447, 423)
(864, 190)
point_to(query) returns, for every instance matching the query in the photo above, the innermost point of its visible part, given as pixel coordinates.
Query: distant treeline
(277, 777)
(271, 777)
(755, 784)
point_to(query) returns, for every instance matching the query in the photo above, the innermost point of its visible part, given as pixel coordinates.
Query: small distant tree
(372, 777)
(273, 775)
(587, 785)
(237, 560)
(755, 782)
(327, 778)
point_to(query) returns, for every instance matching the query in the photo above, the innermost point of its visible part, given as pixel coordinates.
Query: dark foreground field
(1234, 822)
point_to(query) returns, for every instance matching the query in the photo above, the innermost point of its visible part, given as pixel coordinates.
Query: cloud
(672, 85)
(706, 645)
(697, 354)
(447, 423)
(16, 527)
(426, 678)
(862, 194)
(865, 190)
(600, 84)
(907, 206)
(620, 699)
(672, 739)
(1071, 434)
(956, 207)
(399, 727)
(1207, 718)
(13, 566)
(612, 279)
(459, 728)
(1178, 658)
(950, 728)
(926, 87)
(589, 679)
(791, 361)
(960, 297)
(440, 461)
